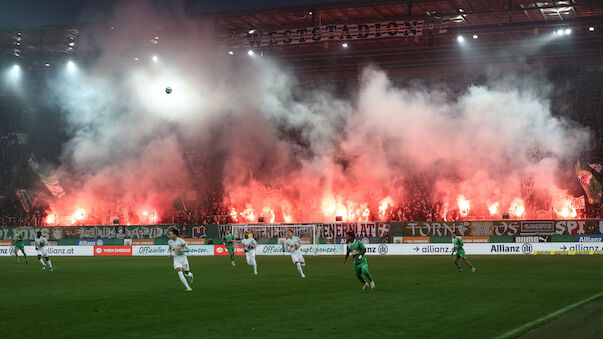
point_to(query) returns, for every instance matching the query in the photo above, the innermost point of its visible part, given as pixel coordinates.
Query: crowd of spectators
(211, 211)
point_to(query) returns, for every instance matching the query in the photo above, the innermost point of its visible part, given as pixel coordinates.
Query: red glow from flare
(248, 214)
(464, 205)
(50, 219)
(493, 208)
(148, 216)
(384, 205)
(517, 208)
(233, 215)
(565, 209)
(79, 214)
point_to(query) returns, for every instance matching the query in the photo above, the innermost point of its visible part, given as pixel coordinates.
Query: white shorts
(297, 257)
(250, 256)
(181, 261)
(42, 251)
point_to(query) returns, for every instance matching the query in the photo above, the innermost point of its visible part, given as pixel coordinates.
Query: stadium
(427, 169)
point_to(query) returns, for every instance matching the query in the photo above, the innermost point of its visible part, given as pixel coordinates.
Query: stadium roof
(404, 37)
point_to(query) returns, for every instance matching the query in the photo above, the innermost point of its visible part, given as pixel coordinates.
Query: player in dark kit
(18, 243)
(357, 249)
(459, 252)
(229, 241)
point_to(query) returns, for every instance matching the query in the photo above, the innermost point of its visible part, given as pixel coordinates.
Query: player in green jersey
(357, 249)
(458, 252)
(18, 243)
(229, 241)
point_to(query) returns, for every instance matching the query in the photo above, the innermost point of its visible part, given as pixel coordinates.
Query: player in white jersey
(42, 248)
(292, 244)
(249, 245)
(178, 250)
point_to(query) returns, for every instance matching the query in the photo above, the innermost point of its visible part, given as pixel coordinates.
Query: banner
(373, 30)
(52, 250)
(163, 250)
(475, 240)
(113, 250)
(95, 232)
(365, 231)
(221, 250)
(201, 250)
(578, 227)
(533, 238)
(322, 249)
(445, 229)
(141, 242)
(115, 232)
(415, 240)
(537, 227)
(478, 249)
(589, 238)
(150, 250)
(498, 228)
(92, 242)
(195, 241)
(383, 229)
(339, 230)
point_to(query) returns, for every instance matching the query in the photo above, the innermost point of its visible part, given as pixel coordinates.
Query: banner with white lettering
(51, 250)
(345, 32)
(480, 249)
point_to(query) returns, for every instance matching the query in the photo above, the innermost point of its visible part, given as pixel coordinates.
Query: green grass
(416, 297)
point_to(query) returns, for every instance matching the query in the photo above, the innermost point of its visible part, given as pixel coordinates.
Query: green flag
(50, 181)
(27, 199)
(590, 184)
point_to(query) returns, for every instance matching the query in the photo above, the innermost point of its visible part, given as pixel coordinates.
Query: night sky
(24, 13)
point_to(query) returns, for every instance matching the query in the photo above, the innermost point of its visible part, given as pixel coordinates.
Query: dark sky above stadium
(24, 13)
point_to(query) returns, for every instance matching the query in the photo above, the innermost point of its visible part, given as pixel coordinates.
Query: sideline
(533, 324)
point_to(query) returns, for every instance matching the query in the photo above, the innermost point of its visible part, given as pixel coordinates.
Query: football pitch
(415, 297)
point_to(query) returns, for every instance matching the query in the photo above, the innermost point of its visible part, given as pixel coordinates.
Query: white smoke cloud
(280, 149)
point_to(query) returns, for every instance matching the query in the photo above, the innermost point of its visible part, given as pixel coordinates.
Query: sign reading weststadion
(375, 30)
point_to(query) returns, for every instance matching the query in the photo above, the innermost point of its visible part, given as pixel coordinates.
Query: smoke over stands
(245, 131)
